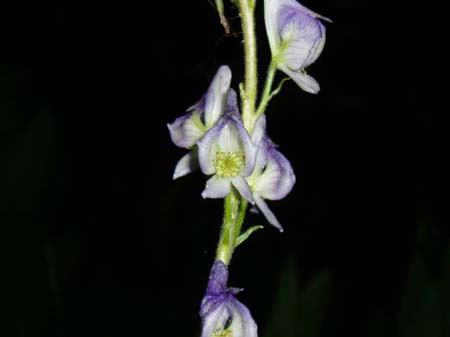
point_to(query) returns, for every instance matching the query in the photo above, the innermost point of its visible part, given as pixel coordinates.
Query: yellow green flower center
(229, 164)
(222, 333)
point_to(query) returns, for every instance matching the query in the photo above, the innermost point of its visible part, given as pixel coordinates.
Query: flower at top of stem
(227, 152)
(273, 177)
(186, 130)
(296, 37)
(221, 313)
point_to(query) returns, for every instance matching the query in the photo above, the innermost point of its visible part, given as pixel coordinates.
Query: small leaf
(241, 238)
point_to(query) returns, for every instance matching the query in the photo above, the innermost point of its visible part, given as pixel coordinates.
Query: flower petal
(215, 320)
(304, 36)
(217, 187)
(303, 80)
(206, 148)
(216, 96)
(187, 164)
(249, 148)
(267, 212)
(242, 186)
(259, 129)
(228, 139)
(186, 130)
(242, 324)
(278, 177)
(271, 21)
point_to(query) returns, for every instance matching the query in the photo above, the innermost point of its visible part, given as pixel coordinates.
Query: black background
(101, 242)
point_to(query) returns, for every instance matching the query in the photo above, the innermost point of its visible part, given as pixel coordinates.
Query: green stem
(267, 94)
(246, 11)
(242, 212)
(227, 241)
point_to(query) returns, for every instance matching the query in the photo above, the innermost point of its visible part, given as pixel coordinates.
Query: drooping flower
(296, 37)
(221, 313)
(273, 176)
(186, 130)
(227, 153)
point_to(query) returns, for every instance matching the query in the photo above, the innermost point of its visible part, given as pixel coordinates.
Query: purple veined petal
(206, 148)
(271, 218)
(187, 164)
(242, 186)
(186, 130)
(261, 155)
(304, 36)
(232, 104)
(217, 187)
(273, 18)
(278, 177)
(303, 80)
(259, 129)
(216, 96)
(295, 5)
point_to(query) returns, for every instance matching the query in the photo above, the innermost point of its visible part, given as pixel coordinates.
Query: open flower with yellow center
(186, 130)
(227, 153)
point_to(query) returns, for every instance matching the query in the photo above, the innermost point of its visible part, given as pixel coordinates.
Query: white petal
(228, 139)
(259, 130)
(242, 324)
(215, 321)
(217, 188)
(244, 190)
(185, 131)
(303, 80)
(187, 164)
(267, 212)
(271, 20)
(277, 179)
(215, 98)
(206, 149)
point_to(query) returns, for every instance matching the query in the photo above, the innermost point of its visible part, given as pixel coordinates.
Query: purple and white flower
(296, 37)
(186, 130)
(273, 177)
(227, 152)
(221, 313)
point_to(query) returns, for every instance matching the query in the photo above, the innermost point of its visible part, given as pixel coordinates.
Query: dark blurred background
(99, 241)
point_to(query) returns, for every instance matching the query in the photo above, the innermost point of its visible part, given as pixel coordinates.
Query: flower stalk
(235, 206)
(229, 232)
(247, 14)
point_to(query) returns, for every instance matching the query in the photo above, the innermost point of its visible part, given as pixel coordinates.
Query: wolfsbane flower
(186, 130)
(221, 313)
(227, 153)
(273, 177)
(296, 38)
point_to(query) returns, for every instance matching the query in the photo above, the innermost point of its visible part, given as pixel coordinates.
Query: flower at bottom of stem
(221, 313)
